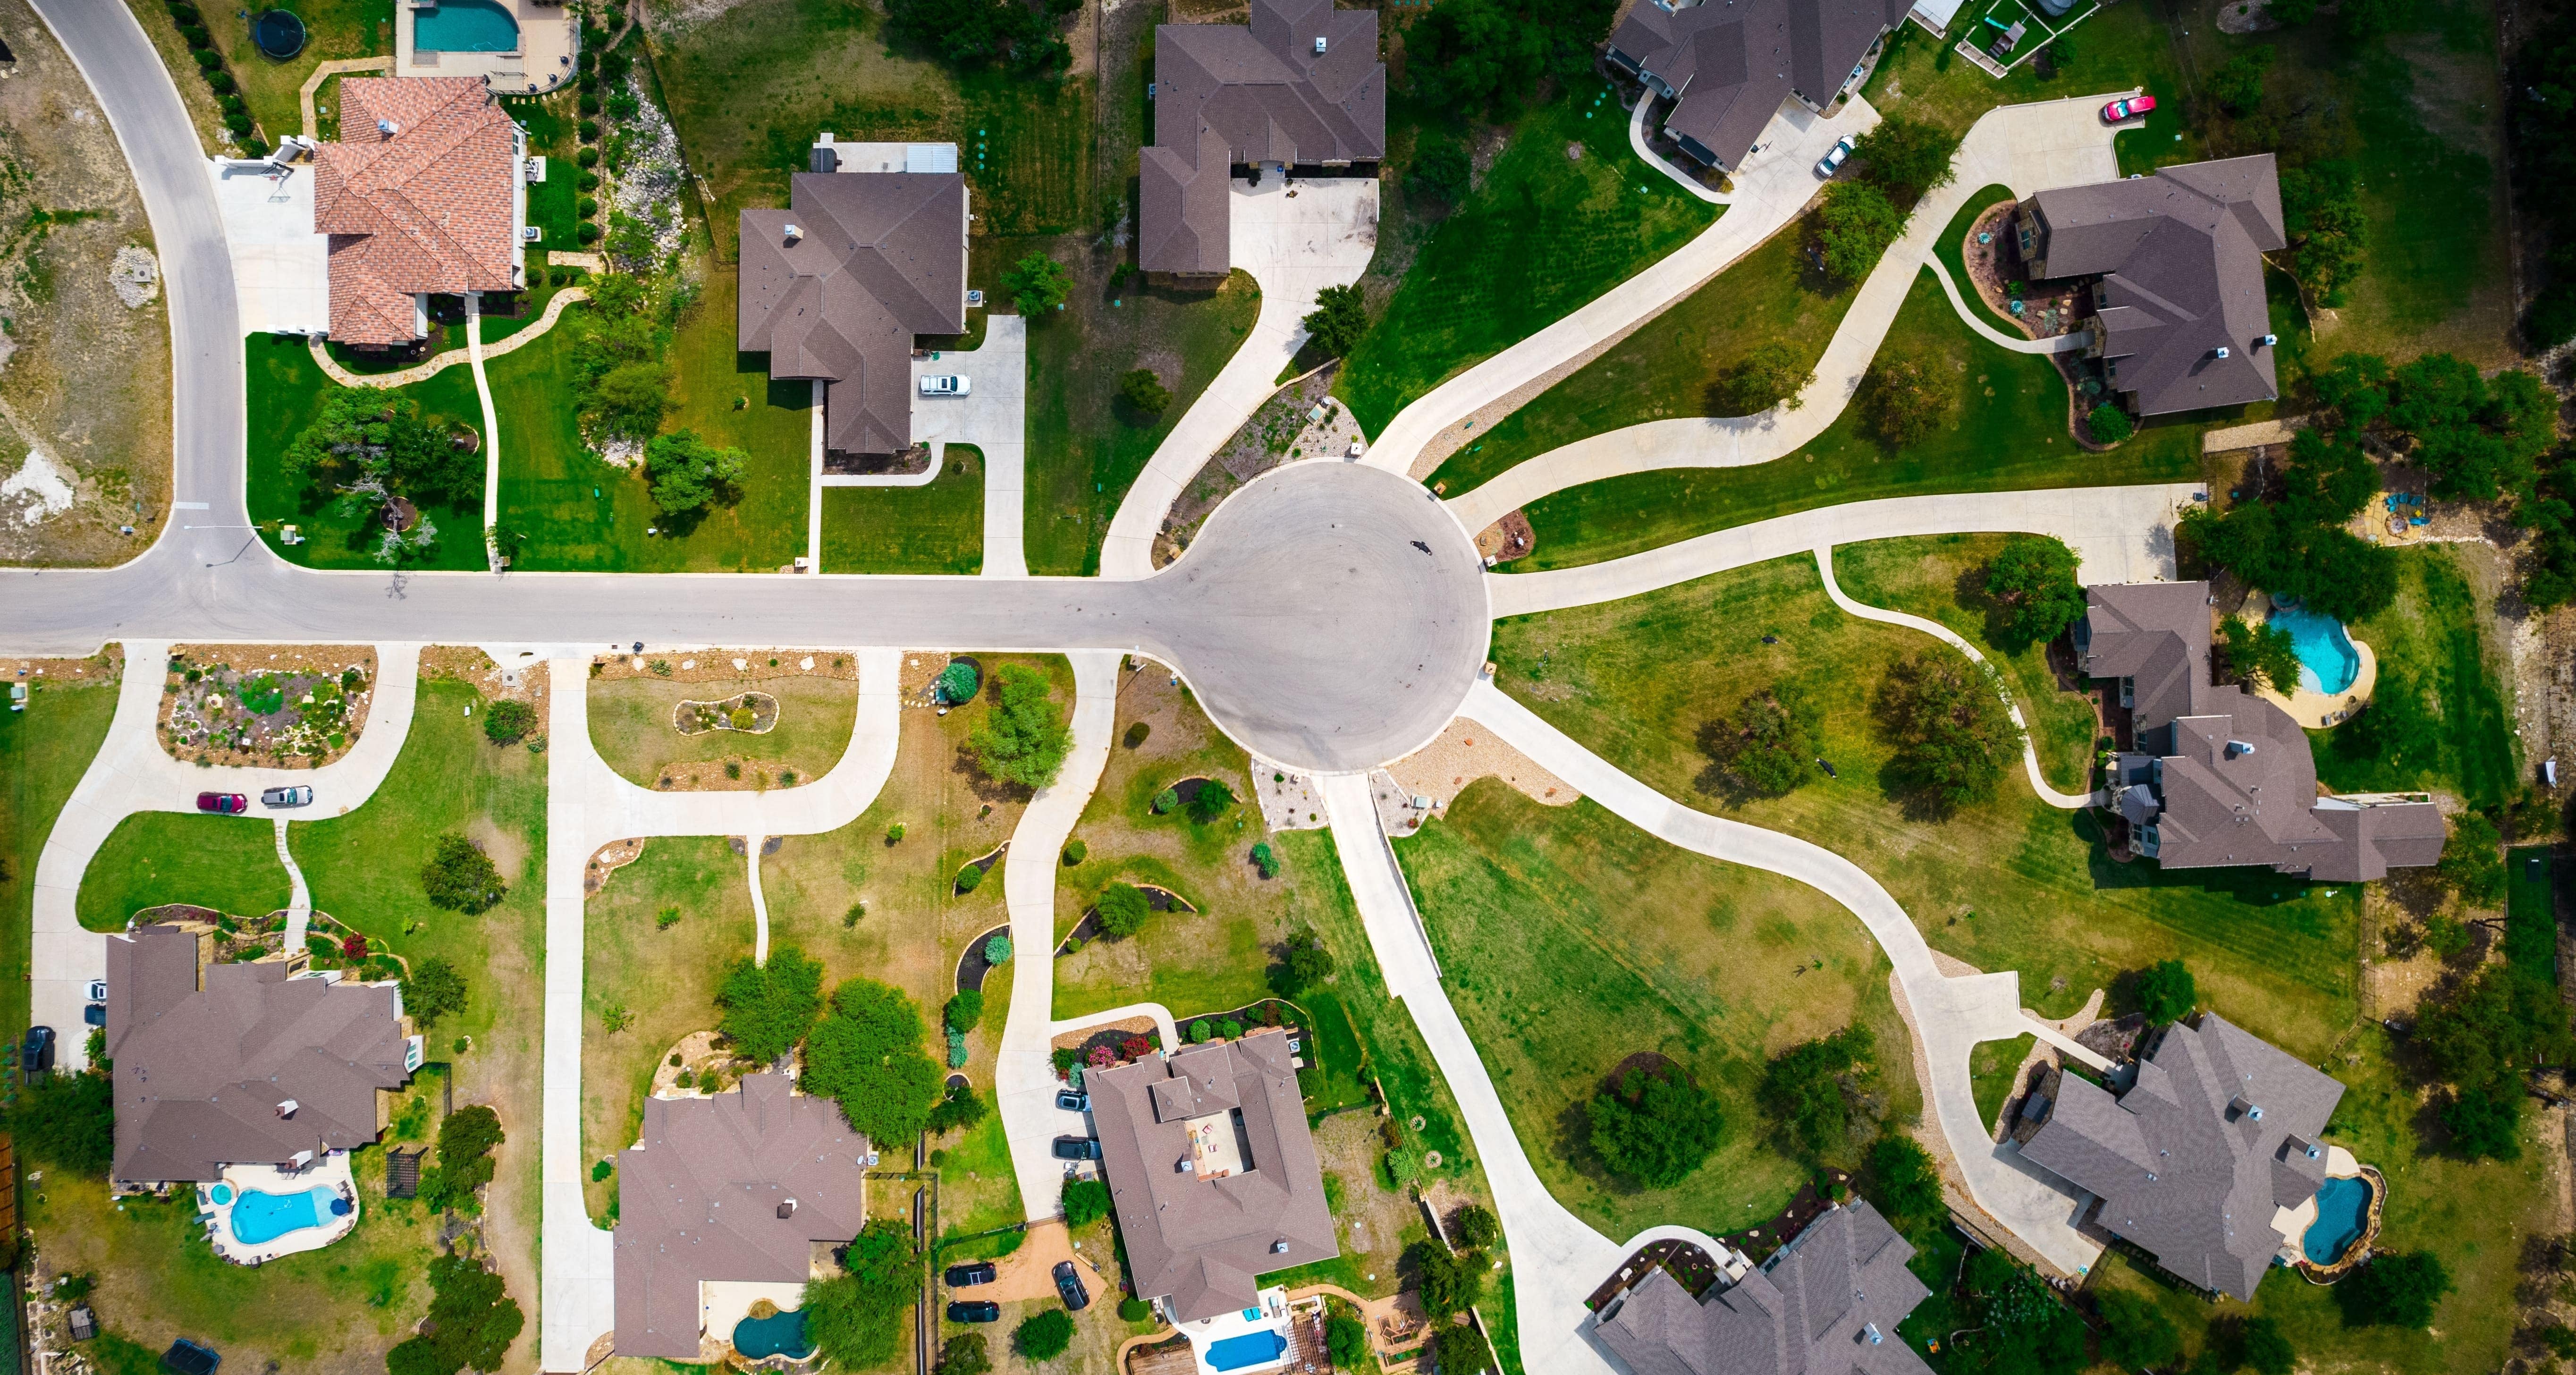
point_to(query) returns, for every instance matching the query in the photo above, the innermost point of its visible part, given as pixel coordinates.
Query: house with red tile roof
(423, 193)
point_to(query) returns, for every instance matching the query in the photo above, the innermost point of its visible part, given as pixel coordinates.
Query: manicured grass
(1920, 77)
(333, 29)
(1990, 1073)
(1666, 368)
(2474, 1216)
(553, 205)
(2008, 431)
(1571, 940)
(44, 750)
(2434, 634)
(2006, 884)
(286, 392)
(630, 725)
(934, 529)
(2531, 904)
(228, 863)
(1541, 234)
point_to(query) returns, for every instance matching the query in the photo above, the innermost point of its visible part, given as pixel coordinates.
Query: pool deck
(549, 40)
(723, 1303)
(331, 1172)
(2320, 710)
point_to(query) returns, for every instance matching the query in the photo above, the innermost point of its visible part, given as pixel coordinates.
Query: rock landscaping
(248, 705)
(753, 713)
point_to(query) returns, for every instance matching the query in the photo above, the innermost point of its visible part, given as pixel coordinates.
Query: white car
(945, 386)
(1834, 159)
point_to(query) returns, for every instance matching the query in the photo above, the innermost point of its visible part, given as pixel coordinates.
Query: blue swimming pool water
(221, 1193)
(781, 1334)
(2327, 661)
(2343, 1209)
(262, 1217)
(465, 26)
(1249, 1349)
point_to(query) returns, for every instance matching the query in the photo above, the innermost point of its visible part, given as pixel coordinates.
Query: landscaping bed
(251, 705)
(244, 941)
(1263, 442)
(751, 713)
(638, 722)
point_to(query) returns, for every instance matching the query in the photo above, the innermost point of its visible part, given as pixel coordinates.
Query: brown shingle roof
(1228, 93)
(200, 1072)
(1732, 62)
(426, 207)
(1203, 1243)
(879, 258)
(1827, 1304)
(698, 1199)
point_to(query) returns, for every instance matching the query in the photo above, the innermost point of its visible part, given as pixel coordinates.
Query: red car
(226, 804)
(2134, 107)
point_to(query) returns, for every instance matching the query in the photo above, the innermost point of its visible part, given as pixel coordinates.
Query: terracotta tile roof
(417, 196)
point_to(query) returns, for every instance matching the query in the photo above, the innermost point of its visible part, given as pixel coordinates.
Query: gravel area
(1466, 752)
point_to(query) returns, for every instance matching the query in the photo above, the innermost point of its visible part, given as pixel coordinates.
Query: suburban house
(1300, 90)
(870, 252)
(421, 194)
(241, 1064)
(1825, 1304)
(1728, 64)
(2181, 320)
(726, 1200)
(1213, 1172)
(2204, 1159)
(2218, 776)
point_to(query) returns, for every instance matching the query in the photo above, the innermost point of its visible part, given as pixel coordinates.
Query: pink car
(2134, 107)
(226, 804)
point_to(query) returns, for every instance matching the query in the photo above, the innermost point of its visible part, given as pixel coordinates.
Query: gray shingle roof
(1228, 94)
(1812, 1309)
(698, 1199)
(2193, 1161)
(200, 1073)
(1732, 62)
(2181, 254)
(879, 258)
(1203, 1243)
(2156, 633)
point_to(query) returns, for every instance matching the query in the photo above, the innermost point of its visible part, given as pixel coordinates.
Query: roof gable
(419, 195)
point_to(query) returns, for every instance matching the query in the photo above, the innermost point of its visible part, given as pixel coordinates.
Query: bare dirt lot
(84, 341)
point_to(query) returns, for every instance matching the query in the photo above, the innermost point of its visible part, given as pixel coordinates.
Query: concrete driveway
(1295, 241)
(994, 418)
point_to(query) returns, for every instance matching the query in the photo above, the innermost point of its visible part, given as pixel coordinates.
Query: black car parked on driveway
(1076, 1148)
(968, 1276)
(38, 1055)
(1068, 1286)
(977, 1310)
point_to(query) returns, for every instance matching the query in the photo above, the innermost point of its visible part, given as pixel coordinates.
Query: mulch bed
(295, 707)
(1760, 1241)
(1695, 1268)
(972, 967)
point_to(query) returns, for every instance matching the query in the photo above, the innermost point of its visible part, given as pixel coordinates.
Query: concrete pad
(281, 268)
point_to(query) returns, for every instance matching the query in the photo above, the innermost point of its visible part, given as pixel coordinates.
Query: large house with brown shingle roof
(1825, 1304)
(423, 194)
(1727, 65)
(240, 1064)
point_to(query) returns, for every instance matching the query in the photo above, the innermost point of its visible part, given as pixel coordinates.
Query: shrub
(894, 833)
(1346, 1341)
(586, 182)
(220, 79)
(688, 472)
(957, 682)
(997, 951)
(1212, 800)
(867, 1054)
(1166, 800)
(1044, 1336)
(461, 878)
(238, 122)
(1442, 165)
(966, 1009)
(1024, 739)
(1265, 859)
(1199, 1031)
(1654, 1129)
(769, 1008)
(589, 132)
(587, 207)
(1464, 1351)
(1230, 1029)
(970, 878)
(2108, 424)
(587, 157)
(433, 990)
(1475, 1227)
(1133, 1309)
(508, 721)
(742, 718)
(1141, 389)
(1085, 1202)
(66, 1121)
(1338, 320)
(589, 104)
(1036, 283)
(1123, 909)
(587, 233)
(963, 1354)
(1075, 852)
(958, 1107)
(2393, 1290)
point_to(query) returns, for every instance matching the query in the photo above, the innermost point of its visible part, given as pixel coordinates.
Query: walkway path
(1024, 1071)
(2029, 752)
(1639, 140)
(133, 773)
(491, 431)
(437, 363)
(1975, 317)
(1294, 243)
(2119, 534)
(299, 902)
(328, 70)
(2025, 147)
(759, 902)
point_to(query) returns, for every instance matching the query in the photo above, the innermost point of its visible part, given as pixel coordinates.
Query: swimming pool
(2343, 1211)
(465, 26)
(262, 1217)
(221, 1193)
(1248, 1349)
(780, 1334)
(2327, 661)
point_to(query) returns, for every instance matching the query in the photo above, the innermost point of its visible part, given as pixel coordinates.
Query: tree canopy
(1654, 1128)
(1449, 1282)
(1024, 738)
(1338, 320)
(1898, 1175)
(1768, 746)
(867, 1055)
(1140, 388)
(1085, 1201)
(2012, 1323)
(2258, 654)
(472, 1321)
(1044, 1335)
(371, 444)
(769, 1008)
(1771, 374)
(1123, 909)
(1488, 56)
(1304, 963)
(2135, 1333)
(66, 1122)
(433, 990)
(688, 473)
(1806, 1090)
(1954, 736)
(1010, 35)
(1907, 399)
(1855, 227)
(855, 1318)
(2479, 438)
(508, 721)
(2166, 992)
(2393, 1290)
(1906, 158)
(2482, 1037)
(461, 878)
(2473, 860)
(2033, 578)
(1036, 283)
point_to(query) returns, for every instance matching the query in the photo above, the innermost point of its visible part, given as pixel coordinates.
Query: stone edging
(385, 380)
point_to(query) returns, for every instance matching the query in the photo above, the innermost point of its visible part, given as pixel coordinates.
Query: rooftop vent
(787, 1209)
(2237, 747)
(287, 1108)
(388, 128)
(795, 233)
(1875, 1336)
(1279, 1247)
(2316, 1152)
(2219, 352)
(2270, 339)
(1319, 45)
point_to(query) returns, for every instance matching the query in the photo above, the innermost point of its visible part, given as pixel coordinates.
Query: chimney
(1875, 1336)
(787, 1209)
(388, 128)
(2220, 352)
(1319, 45)
(2270, 339)
(2237, 747)
(795, 234)
(1279, 1247)
(287, 1108)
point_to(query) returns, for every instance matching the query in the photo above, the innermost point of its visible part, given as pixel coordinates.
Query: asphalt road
(1330, 617)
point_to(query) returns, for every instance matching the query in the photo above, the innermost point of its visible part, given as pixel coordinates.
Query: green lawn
(2008, 431)
(286, 392)
(630, 725)
(2006, 884)
(1990, 1073)
(1541, 234)
(333, 29)
(228, 863)
(1571, 940)
(2119, 46)
(2433, 635)
(1666, 368)
(934, 529)
(44, 750)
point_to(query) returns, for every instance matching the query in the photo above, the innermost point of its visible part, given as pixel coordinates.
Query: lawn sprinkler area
(250, 706)
(257, 1213)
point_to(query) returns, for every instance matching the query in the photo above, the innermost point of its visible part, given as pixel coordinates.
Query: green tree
(1464, 1351)
(1441, 165)
(769, 1008)
(1024, 738)
(2393, 1289)
(1449, 1283)
(2354, 388)
(1772, 374)
(1806, 1090)
(969, 878)
(2108, 424)
(1346, 1342)
(508, 721)
(964, 1354)
(1085, 1202)
(372, 445)
(1475, 1227)
(1123, 909)
(1304, 964)
(2238, 84)
(1338, 320)
(461, 878)
(966, 1009)
(1140, 388)
(2166, 992)
(2255, 1344)
(2485, 1122)
(956, 683)
(1898, 1175)
(472, 1321)
(2019, 1326)
(1489, 56)
(2473, 861)
(1006, 35)
(1906, 158)
(1954, 736)
(1654, 1128)
(1043, 1336)
(1212, 800)
(2033, 577)
(1855, 227)
(2137, 1334)
(997, 950)
(466, 1140)
(959, 1106)
(867, 1055)
(1036, 283)
(855, 1318)
(433, 990)
(1769, 746)
(2327, 230)
(2258, 654)
(688, 472)
(1906, 399)
(66, 1122)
